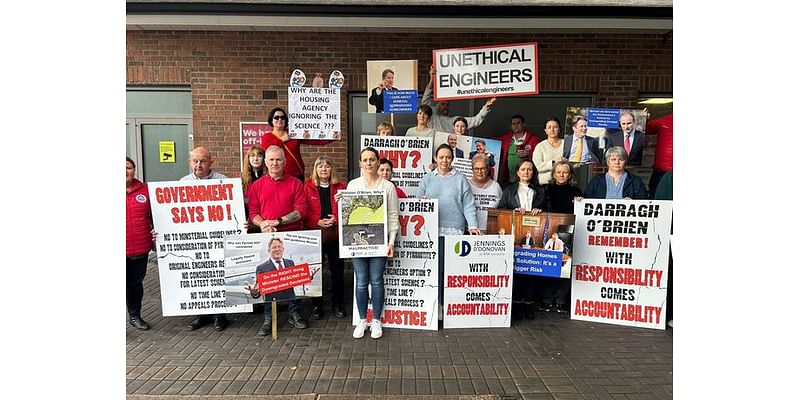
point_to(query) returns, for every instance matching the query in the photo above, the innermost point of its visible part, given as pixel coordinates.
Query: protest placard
(479, 276)
(620, 262)
(410, 279)
(314, 113)
(192, 218)
(362, 224)
(409, 156)
(486, 71)
(273, 266)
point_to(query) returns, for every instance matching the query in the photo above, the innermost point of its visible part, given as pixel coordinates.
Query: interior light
(657, 100)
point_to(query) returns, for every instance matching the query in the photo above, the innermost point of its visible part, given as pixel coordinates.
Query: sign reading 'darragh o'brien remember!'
(487, 71)
(620, 262)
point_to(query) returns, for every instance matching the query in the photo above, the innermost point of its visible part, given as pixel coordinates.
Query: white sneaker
(376, 331)
(361, 326)
(669, 324)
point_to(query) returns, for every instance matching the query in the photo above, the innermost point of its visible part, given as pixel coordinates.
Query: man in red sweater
(277, 203)
(518, 144)
(662, 162)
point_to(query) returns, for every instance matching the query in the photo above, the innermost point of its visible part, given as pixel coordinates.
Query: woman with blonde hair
(385, 129)
(322, 213)
(253, 167)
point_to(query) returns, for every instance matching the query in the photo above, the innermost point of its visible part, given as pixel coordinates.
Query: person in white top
(547, 152)
(487, 191)
(422, 129)
(369, 270)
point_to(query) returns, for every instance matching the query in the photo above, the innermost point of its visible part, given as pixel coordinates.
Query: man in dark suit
(452, 141)
(387, 83)
(276, 262)
(580, 148)
(629, 138)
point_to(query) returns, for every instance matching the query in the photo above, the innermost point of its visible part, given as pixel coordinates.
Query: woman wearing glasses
(279, 121)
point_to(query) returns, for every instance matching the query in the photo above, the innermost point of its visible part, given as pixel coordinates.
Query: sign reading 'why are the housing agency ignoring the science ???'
(486, 71)
(192, 218)
(620, 262)
(314, 113)
(478, 277)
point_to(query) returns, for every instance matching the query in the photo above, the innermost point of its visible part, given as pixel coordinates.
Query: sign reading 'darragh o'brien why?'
(409, 157)
(620, 262)
(486, 71)
(192, 218)
(411, 280)
(478, 277)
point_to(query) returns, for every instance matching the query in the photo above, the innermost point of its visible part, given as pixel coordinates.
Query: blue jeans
(294, 309)
(369, 271)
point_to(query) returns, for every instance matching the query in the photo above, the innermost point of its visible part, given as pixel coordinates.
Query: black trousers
(336, 269)
(136, 268)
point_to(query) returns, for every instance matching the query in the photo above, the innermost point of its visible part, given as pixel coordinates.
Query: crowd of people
(534, 177)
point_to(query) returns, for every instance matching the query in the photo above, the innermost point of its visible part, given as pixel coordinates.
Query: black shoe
(561, 308)
(220, 322)
(317, 313)
(198, 322)
(139, 323)
(265, 329)
(338, 311)
(297, 322)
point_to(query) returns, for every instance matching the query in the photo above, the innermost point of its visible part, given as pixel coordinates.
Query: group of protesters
(534, 177)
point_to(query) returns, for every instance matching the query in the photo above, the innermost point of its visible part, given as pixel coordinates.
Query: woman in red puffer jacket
(323, 213)
(139, 237)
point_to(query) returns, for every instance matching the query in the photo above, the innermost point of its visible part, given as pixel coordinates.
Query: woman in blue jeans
(369, 270)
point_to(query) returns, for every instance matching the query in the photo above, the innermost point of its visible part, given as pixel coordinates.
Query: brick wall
(228, 71)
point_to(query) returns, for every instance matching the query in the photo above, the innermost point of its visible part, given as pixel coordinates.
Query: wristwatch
(280, 221)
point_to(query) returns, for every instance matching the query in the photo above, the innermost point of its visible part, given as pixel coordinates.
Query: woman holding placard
(279, 121)
(369, 270)
(457, 211)
(524, 196)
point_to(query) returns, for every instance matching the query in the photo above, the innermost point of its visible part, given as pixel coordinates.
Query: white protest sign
(478, 273)
(410, 279)
(362, 224)
(620, 261)
(409, 156)
(314, 113)
(192, 218)
(488, 71)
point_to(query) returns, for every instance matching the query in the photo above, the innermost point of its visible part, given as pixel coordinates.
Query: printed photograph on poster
(461, 144)
(409, 157)
(314, 113)
(388, 75)
(486, 71)
(620, 262)
(543, 245)
(250, 134)
(612, 127)
(479, 273)
(362, 224)
(274, 266)
(489, 148)
(411, 280)
(192, 218)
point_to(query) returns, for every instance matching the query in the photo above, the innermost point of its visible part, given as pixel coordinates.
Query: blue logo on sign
(463, 248)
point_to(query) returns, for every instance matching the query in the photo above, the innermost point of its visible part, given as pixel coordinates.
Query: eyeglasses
(480, 169)
(279, 117)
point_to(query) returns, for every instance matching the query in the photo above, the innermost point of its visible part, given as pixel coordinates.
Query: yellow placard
(166, 152)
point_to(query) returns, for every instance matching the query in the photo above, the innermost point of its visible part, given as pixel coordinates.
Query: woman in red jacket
(138, 243)
(279, 121)
(323, 213)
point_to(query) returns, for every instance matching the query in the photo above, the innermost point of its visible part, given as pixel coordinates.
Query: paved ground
(550, 357)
